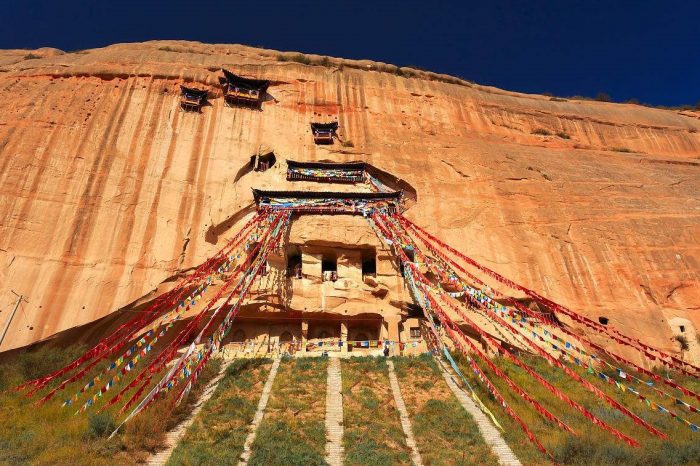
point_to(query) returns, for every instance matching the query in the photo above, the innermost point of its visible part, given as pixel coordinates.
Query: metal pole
(9, 321)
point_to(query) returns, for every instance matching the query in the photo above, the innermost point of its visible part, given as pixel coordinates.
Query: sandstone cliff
(108, 189)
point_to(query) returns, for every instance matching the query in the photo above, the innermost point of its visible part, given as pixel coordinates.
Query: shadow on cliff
(214, 231)
(258, 162)
(92, 332)
(394, 182)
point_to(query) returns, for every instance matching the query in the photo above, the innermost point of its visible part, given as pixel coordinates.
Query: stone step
(491, 435)
(259, 414)
(403, 415)
(173, 437)
(334, 414)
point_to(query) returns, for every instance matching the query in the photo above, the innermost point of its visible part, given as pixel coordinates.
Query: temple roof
(327, 165)
(194, 92)
(259, 193)
(333, 126)
(259, 84)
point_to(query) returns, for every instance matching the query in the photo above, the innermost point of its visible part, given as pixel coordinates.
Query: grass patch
(541, 132)
(297, 58)
(31, 56)
(373, 433)
(51, 434)
(293, 430)
(593, 446)
(277, 443)
(682, 342)
(402, 71)
(622, 149)
(218, 433)
(444, 431)
(181, 50)
(305, 59)
(563, 135)
(347, 143)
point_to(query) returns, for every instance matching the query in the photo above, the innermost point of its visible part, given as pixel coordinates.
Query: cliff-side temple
(313, 249)
(192, 99)
(324, 132)
(245, 92)
(350, 172)
(332, 285)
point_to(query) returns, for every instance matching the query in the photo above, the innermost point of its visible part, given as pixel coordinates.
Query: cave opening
(369, 263)
(262, 162)
(329, 266)
(294, 262)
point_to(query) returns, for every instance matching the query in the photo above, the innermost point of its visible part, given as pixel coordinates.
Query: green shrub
(100, 425)
(563, 135)
(347, 143)
(541, 132)
(621, 149)
(603, 97)
(300, 58)
(416, 67)
(31, 56)
(683, 341)
(31, 364)
(405, 72)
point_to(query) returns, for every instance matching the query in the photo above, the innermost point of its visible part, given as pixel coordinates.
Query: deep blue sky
(649, 50)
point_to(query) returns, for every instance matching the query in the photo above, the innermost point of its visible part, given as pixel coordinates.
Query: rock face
(108, 189)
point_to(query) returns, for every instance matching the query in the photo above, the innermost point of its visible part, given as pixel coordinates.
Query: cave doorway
(263, 162)
(329, 266)
(294, 260)
(238, 336)
(369, 263)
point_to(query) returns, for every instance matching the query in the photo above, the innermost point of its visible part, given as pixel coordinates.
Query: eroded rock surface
(107, 188)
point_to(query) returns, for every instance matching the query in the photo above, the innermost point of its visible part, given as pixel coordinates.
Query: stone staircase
(403, 413)
(488, 431)
(259, 413)
(334, 417)
(174, 436)
(334, 414)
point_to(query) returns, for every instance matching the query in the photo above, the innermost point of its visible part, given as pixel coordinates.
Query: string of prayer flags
(626, 388)
(424, 302)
